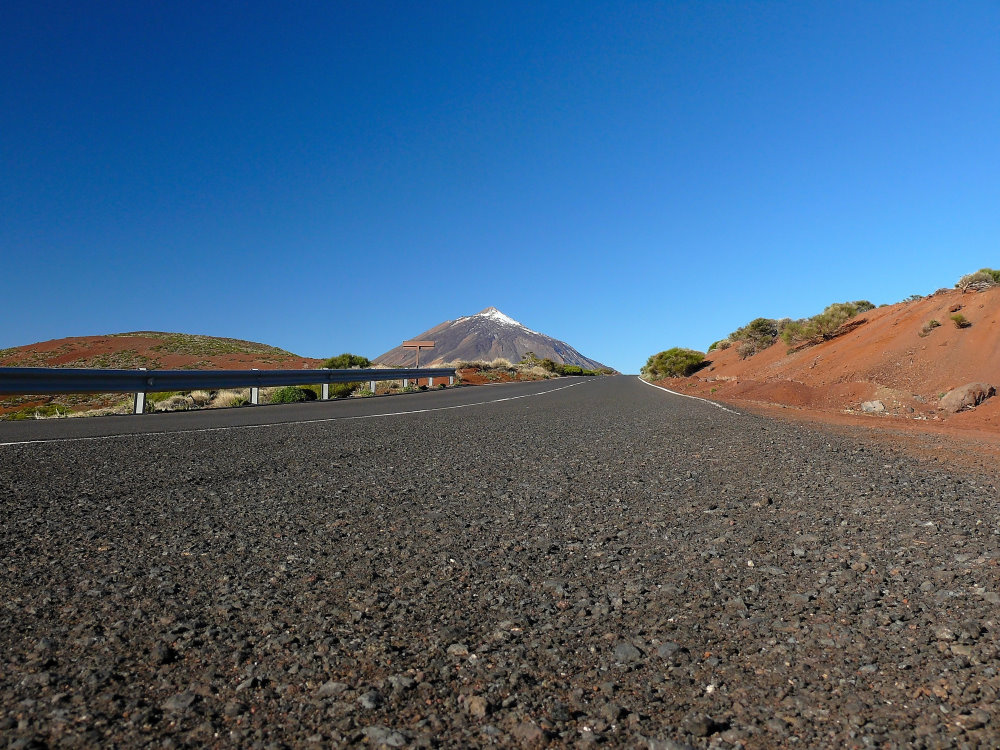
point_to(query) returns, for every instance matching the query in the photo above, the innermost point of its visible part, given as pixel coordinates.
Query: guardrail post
(430, 382)
(451, 380)
(326, 389)
(139, 407)
(254, 391)
(406, 382)
(372, 384)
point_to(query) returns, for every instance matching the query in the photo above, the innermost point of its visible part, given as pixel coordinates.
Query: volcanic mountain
(486, 335)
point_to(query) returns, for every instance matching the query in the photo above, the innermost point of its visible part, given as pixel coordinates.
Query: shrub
(721, 345)
(291, 394)
(961, 321)
(929, 326)
(366, 392)
(547, 364)
(347, 361)
(755, 336)
(673, 363)
(824, 324)
(343, 390)
(225, 399)
(981, 279)
(201, 398)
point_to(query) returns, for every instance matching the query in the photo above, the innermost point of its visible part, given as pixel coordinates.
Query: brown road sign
(418, 345)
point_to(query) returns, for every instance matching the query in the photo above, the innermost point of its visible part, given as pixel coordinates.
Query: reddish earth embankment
(148, 349)
(894, 357)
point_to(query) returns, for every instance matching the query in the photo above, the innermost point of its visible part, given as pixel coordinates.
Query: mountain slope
(487, 335)
(891, 354)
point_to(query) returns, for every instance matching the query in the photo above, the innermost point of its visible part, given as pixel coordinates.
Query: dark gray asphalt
(605, 563)
(247, 416)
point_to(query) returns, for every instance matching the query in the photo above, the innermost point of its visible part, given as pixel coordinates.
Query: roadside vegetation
(761, 333)
(984, 278)
(529, 368)
(673, 363)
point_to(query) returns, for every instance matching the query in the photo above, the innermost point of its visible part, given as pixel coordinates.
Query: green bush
(673, 363)
(984, 277)
(721, 344)
(755, 336)
(347, 361)
(960, 321)
(291, 394)
(343, 390)
(825, 323)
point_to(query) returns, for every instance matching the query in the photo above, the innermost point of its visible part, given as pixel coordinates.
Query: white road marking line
(283, 424)
(687, 395)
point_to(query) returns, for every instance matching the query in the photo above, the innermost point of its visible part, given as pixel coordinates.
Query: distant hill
(153, 350)
(897, 360)
(149, 349)
(487, 335)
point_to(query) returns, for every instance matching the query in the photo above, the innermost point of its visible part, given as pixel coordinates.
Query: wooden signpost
(418, 345)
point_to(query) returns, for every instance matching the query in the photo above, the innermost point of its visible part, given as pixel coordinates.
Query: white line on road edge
(283, 424)
(687, 395)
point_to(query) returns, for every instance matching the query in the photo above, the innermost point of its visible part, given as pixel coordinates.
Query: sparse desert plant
(227, 398)
(755, 336)
(676, 362)
(981, 279)
(344, 390)
(291, 394)
(347, 361)
(500, 363)
(176, 402)
(721, 345)
(929, 326)
(409, 389)
(364, 392)
(201, 398)
(960, 321)
(825, 323)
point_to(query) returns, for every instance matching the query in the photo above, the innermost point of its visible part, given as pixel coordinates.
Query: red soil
(886, 358)
(149, 350)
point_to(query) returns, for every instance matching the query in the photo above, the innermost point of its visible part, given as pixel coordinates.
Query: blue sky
(330, 177)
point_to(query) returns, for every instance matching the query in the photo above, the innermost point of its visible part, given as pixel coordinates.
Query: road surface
(588, 560)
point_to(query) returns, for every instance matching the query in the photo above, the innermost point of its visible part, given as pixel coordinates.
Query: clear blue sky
(330, 177)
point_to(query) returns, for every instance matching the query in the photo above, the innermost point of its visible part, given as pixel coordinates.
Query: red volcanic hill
(892, 355)
(149, 349)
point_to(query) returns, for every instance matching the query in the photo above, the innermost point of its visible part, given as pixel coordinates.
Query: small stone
(526, 732)
(703, 726)
(625, 652)
(370, 700)
(458, 649)
(179, 702)
(667, 649)
(331, 688)
(872, 407)
(477, 706)
(382, 735)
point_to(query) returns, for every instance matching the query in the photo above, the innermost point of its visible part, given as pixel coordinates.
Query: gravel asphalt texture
(604, 564)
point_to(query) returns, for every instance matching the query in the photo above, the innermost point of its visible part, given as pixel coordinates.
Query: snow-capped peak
(493, 315)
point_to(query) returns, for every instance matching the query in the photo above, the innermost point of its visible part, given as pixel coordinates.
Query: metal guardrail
(49, 380)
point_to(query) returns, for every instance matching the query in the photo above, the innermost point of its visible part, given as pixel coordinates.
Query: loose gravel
(608, 564)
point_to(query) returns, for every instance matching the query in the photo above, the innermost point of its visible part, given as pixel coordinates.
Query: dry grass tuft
(224, 399)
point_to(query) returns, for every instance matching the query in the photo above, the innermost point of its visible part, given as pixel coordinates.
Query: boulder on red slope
(967, 396)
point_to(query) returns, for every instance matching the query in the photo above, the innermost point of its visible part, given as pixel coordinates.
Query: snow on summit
(493, 315)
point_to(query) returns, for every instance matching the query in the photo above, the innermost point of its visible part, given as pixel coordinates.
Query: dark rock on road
(606, 565)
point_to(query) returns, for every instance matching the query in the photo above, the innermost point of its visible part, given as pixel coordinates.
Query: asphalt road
(586, 561)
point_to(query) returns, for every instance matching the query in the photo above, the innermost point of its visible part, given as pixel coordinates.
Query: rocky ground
(606, 565)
